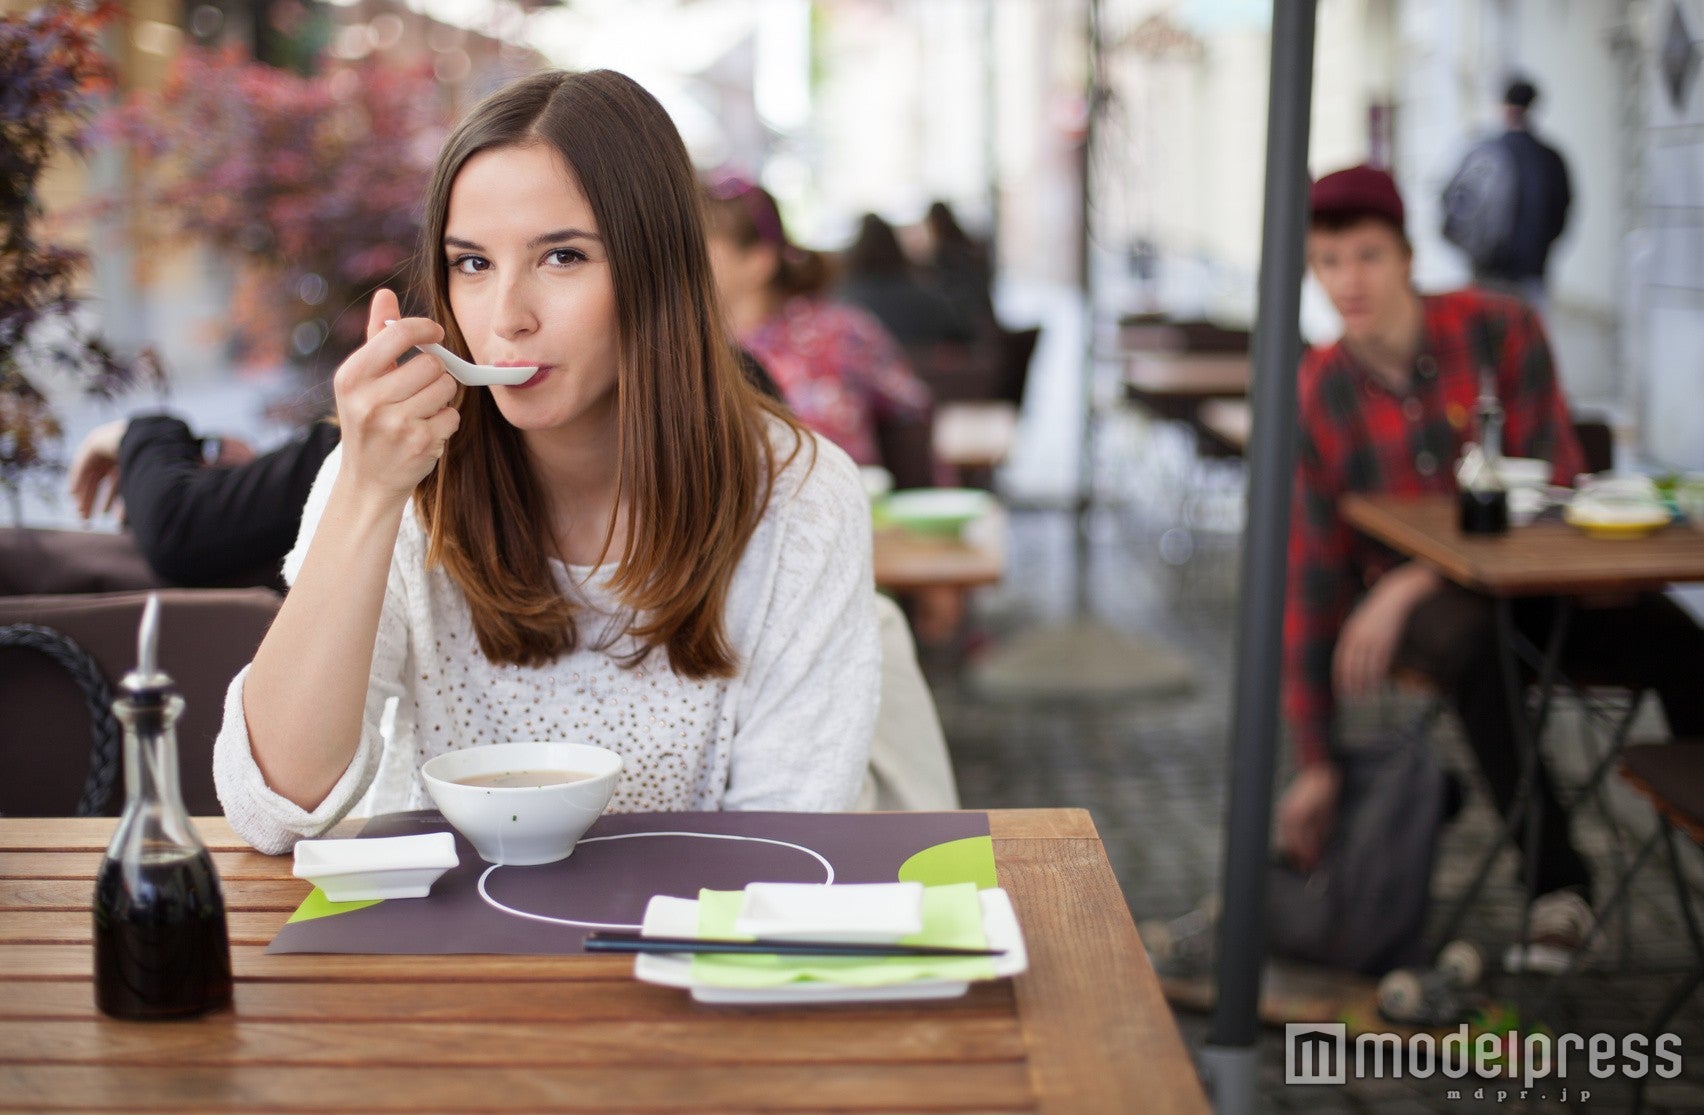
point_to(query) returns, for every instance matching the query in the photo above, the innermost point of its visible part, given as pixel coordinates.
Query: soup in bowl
(523, 803)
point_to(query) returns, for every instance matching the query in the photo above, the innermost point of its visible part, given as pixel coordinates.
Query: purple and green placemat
(625, 859)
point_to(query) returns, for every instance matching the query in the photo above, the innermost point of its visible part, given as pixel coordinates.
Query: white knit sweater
(790, 732)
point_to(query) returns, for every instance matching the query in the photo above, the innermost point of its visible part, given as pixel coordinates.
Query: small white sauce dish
(878, 913)
(384, 867)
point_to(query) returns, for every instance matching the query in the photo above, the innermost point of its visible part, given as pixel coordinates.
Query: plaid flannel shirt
(1357, 435)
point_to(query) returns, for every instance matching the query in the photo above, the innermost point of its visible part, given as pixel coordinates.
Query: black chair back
(206, 636)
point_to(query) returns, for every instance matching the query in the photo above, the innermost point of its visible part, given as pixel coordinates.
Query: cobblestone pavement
(1152, 774)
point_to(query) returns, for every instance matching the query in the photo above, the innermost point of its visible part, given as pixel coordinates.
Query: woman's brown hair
(746, 213)
(695, 461)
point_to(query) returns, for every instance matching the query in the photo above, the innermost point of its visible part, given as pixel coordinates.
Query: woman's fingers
(382, 310)
(389, 335)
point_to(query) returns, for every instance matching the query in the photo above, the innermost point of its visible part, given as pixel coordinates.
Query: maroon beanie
(1360, 189)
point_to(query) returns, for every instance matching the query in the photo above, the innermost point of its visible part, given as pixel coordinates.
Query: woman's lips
(538, 377)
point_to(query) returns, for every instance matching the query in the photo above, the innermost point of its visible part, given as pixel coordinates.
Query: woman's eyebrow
(559, 236)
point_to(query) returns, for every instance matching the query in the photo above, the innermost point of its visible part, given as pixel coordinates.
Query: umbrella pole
(1230, 1058)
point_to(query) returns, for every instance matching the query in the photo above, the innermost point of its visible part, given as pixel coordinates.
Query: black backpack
(1364, 906)
(1479, 202)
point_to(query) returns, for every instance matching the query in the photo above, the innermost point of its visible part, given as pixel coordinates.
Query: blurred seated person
(877, 276)
(837, 368)
(203, 511)
(1387, 408)
(206, 511)
(960, 268)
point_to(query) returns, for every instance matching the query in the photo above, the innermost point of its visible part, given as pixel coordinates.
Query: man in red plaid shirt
(1387, 409)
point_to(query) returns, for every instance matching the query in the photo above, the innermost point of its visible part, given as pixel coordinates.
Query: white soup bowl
(523, 825)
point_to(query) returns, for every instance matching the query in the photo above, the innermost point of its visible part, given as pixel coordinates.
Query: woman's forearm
(307, 689)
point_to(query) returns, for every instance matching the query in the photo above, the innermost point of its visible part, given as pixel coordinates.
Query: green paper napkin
(952, 915)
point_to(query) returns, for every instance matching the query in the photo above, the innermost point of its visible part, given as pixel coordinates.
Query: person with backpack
(1387, 408)
(1508, 203)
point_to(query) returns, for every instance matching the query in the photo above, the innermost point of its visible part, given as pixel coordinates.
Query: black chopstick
(603, 941)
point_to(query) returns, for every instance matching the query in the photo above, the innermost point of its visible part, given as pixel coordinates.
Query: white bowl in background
(1523, 472)
(1618, 485)
(523, 825)
(878, 481)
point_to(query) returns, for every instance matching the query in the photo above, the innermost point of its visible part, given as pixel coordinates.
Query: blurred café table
(1085, 1029)
(1228, 422)
(907, 560)
(1173, 385)
(972, 438)
(1546, 557)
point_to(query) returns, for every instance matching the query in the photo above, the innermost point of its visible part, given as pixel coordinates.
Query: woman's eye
(468, 265)
(562, 257)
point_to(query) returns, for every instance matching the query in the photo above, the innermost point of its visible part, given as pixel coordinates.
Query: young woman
(634, 548)
(835, 364)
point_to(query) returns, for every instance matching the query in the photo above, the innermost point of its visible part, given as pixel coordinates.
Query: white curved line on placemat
(510, 910)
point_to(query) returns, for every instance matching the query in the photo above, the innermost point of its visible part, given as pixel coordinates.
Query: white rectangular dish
(666, 916)
(878, 913)
(382, 867)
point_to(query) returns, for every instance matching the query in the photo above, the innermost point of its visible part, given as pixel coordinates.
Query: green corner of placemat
(317, 905)
(969, 860)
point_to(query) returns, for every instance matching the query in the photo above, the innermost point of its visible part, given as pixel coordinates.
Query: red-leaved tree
(316, 183)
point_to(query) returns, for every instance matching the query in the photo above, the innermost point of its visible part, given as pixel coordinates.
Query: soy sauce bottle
(1483, 500)
(161, 947)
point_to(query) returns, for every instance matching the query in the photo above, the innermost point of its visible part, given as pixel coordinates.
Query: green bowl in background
(943, 511)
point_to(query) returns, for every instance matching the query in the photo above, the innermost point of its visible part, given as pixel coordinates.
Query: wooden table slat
(253, 962)
(177, 1088)
(76, 893)
(737, 1039)
(618, 996)
(82, 863)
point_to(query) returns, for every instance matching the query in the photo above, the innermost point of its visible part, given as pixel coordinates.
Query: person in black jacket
(1542, 198)
(203, 511)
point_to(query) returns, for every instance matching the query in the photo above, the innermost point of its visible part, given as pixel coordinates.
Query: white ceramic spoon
(477, 375)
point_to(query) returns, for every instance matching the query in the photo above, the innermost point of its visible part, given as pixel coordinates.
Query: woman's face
(529, 283)
(741, 271)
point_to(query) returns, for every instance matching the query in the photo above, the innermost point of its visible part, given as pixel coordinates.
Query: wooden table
(1543, 558)
(1084, 1030)
(974, 436)
(1229, 422)
(1174, 384)
(907, 560)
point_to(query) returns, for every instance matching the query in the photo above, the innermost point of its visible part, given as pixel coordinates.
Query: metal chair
(1671, 777)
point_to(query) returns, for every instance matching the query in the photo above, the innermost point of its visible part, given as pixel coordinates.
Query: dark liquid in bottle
(1484, 512)
(161, 949)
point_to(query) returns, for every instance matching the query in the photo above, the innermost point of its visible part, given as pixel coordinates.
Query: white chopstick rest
(383, 867)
